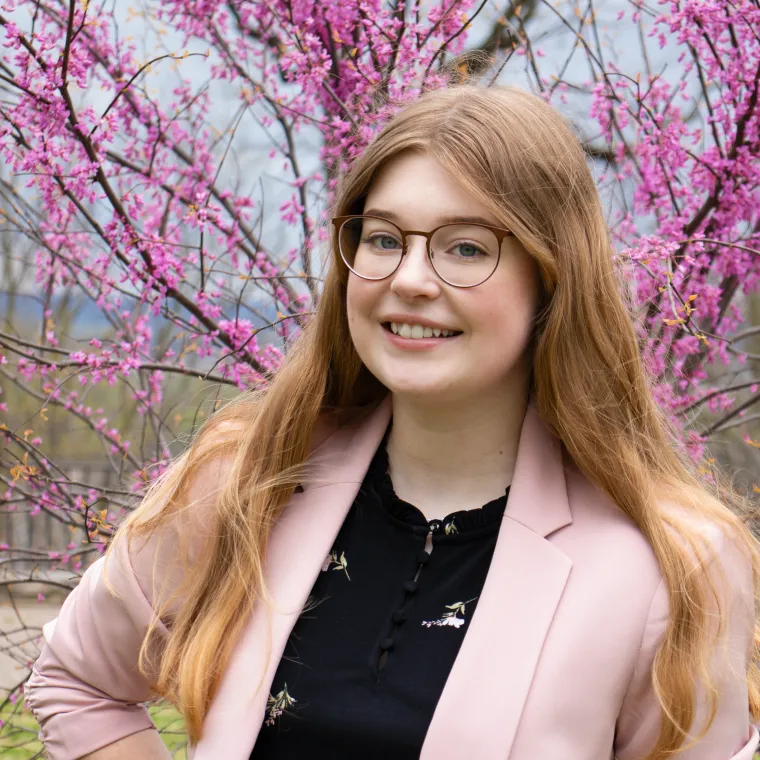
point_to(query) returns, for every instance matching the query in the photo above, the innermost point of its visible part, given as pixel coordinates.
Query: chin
(418, 391)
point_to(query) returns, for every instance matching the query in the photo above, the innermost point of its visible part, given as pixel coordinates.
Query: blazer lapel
(482, 701)
(481, 704)
(298, 545)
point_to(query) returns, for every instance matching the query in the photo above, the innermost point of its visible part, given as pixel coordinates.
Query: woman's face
(494, 319)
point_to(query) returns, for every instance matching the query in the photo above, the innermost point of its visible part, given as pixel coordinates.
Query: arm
(731, 736)
(85, 690)
(147, 745)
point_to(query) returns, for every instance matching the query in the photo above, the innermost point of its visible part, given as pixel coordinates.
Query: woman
(455, 524)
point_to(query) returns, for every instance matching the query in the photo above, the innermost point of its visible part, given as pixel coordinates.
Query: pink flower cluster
(132, 214)
(696, 191)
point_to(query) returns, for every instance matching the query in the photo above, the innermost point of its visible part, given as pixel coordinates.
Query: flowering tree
(144, 278)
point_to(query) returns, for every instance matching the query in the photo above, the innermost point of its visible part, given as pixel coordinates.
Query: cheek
(506, 313)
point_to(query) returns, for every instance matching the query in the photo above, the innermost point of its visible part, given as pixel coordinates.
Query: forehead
(413, 188)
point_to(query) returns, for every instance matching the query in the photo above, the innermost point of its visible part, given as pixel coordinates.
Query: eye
(386, 242)
(469, 250)
(464, 252)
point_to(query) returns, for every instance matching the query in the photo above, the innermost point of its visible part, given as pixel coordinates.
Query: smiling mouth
(418, 332)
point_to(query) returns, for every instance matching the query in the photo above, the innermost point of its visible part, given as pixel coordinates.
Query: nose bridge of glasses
(424, 243)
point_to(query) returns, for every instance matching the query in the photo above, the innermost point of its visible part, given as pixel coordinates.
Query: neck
(443, 459)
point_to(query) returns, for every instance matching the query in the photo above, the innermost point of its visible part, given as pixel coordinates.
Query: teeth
(418, 331)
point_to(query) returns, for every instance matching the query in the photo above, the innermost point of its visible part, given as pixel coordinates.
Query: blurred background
(166, 172)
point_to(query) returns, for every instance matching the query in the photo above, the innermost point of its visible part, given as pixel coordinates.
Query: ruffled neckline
(461, 523)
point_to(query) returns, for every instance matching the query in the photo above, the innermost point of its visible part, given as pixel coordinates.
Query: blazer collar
(495, 665)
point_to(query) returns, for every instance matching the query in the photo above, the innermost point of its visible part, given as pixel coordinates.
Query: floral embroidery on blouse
(450, 528)
(451, 618)
(341, 563)
(277, 705)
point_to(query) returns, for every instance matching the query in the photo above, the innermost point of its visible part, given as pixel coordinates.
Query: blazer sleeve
(731, 736)
(85, 690)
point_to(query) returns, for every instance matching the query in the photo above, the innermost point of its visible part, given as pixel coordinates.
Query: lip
(410, 319)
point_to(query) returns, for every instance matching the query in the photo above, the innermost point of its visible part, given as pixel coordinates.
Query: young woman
(454, 525)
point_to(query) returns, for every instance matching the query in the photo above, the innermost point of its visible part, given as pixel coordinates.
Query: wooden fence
(29, 537)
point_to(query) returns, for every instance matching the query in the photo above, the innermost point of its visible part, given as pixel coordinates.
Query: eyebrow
(447, 219)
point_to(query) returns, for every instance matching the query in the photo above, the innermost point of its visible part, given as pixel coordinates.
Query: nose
(415, 275)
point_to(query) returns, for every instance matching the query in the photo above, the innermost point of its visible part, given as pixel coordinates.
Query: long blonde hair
(518, 156)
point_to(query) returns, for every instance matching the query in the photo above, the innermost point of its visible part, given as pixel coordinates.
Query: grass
(18, 738)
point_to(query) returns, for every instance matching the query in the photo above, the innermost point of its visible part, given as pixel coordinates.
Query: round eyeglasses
(463, 255)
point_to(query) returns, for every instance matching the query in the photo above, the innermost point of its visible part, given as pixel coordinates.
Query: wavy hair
(520, 158)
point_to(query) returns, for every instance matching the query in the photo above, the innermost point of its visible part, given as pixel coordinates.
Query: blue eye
(473, 250)
(394, 244)
(468, 252)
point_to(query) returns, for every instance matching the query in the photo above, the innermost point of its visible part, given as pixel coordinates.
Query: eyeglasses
(462, 255)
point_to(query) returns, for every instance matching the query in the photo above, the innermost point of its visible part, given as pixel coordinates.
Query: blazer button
(410, 587)
(387, 644)
(398, 616)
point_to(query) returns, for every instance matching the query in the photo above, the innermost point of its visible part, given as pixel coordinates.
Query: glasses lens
(370, 247)
(465, 254)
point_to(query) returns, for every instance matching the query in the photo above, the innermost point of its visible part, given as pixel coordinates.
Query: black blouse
(368, 658)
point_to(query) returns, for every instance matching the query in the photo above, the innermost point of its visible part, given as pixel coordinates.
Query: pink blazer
(555, 664)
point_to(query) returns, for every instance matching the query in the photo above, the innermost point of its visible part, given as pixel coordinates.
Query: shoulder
(602, 535)
(602, 538)
(216, 449)
(180, 518)
(724, 551)
(597, 519)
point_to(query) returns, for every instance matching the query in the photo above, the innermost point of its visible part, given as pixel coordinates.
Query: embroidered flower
(454, 622)
(277, 705)
(451, 618)
(341, 563)
(450, 528)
